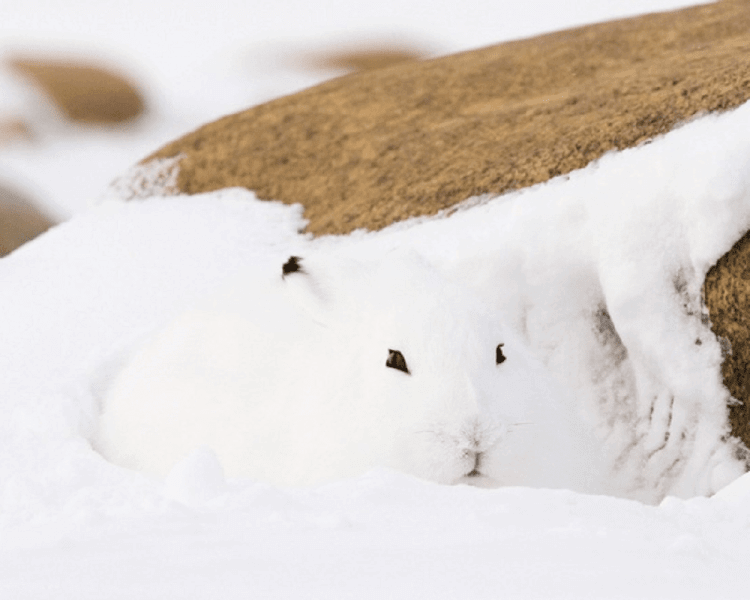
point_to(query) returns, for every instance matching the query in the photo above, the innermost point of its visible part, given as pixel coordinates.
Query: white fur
(285, 378)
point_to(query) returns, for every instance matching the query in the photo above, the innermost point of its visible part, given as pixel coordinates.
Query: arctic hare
(326, 367)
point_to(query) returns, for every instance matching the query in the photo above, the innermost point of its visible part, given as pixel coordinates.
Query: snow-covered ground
(621, 246)
(598, 273)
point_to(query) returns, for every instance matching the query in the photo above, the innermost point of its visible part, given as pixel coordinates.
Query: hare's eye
(396, 360)
(499, 356)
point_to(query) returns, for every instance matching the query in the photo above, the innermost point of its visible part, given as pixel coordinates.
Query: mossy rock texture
(376, 147)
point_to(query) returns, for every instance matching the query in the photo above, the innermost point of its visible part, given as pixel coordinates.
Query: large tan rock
(376, 147)
(411, 139)
(85, 93)
(20, 220)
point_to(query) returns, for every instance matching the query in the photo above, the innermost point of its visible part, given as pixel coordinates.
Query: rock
(417, 137)
(84, 93)
(726, 292)
(361, 59)
(20, 220)
(13, 129)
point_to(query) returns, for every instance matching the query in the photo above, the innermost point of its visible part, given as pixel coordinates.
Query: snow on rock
(601, 272)
(155, 177)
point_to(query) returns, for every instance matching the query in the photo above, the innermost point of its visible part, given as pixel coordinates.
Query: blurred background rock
(21, 219)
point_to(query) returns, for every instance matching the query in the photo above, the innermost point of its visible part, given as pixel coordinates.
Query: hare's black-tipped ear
(499, 356)
(397, 361)
(292, 266)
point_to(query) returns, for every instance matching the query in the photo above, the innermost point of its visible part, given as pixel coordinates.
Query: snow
(597, 273)
(81, 298)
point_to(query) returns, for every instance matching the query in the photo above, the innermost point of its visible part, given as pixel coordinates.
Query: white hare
(327, 367)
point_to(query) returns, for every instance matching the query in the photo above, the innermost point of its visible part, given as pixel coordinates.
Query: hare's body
(336, 367)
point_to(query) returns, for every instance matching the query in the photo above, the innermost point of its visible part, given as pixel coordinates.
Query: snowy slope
(621, 246)
(554, 258)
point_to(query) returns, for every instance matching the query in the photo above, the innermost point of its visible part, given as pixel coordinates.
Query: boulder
(411, 139)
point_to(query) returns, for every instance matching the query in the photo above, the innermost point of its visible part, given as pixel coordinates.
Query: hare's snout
(475, 470)
(481, 434)
(472, 448)
(465, 450)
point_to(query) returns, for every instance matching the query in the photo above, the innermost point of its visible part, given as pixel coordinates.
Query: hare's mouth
(475, 477)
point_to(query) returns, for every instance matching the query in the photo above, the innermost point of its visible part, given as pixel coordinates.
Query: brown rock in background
(373, 148)
(84, 93)
(363, 59)
(14, 129)
(20, 220)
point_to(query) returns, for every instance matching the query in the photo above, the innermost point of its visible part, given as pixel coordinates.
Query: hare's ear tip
(292, 266)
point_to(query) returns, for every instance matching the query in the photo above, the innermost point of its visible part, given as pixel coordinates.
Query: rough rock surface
(727, 296)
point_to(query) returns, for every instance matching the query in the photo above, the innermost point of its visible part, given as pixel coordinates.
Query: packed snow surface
(597, 273)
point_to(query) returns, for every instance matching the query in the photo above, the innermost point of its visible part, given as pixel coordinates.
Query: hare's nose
(472, 438)
(476, 468)
(470, 445)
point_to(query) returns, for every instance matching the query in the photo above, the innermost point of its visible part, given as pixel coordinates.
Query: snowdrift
(598, 273)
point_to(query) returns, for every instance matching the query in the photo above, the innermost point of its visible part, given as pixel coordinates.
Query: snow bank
(598, 273)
